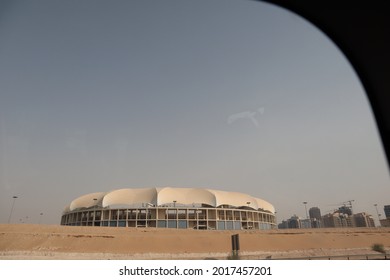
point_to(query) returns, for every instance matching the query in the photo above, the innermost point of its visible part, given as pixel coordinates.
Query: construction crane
(349, 204)
(344, 207)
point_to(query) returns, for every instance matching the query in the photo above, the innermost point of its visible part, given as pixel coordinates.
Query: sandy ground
(60, 242)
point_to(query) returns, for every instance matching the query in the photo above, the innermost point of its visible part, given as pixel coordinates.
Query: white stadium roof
(130, 198)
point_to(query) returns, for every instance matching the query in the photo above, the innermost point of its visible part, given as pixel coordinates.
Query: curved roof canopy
(168, 196)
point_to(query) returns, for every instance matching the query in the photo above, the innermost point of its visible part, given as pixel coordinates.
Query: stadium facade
(167, 207)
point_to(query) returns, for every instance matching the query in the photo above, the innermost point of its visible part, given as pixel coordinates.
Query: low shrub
(378, 248)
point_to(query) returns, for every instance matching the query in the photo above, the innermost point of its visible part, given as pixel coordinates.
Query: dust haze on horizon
(231, 95)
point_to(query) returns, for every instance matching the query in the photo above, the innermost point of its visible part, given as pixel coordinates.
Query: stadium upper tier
(168, 197)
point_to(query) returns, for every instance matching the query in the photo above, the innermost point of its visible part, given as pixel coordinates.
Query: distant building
(306, 223)
(387, 211)
(345, 210)
(316, 223)
(283, 225)
(294, 222)
(315, 217)
(331, 220)
(385, 222)
(350, 221)
(364, 220)
(315, 213)
(337, 220)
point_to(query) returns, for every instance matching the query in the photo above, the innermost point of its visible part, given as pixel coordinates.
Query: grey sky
(231, 95)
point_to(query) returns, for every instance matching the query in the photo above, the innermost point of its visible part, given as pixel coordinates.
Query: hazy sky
(229, 95)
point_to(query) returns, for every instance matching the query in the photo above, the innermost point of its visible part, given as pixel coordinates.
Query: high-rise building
(315, 213)
(347, 221)
(305, 223)
(294, 222)
(387, 211)
(364, 220)
(331, 220)
(345, 210)
(283, 225)
(338, 220)
(316, 223)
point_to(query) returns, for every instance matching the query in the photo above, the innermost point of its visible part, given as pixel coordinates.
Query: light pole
(40, 217)
(12, 208)
(379, 215)
(305, 203)
(174, 204)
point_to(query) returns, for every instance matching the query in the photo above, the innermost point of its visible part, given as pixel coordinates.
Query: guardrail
(335, 257)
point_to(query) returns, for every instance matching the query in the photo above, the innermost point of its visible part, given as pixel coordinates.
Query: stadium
(181, 208)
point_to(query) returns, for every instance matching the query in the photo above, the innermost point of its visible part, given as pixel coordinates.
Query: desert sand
(23, 241)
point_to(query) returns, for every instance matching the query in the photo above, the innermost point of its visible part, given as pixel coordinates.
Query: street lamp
(40, 217)
(174, 203)
(12, 208)
(379, 215)
(305, 203)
